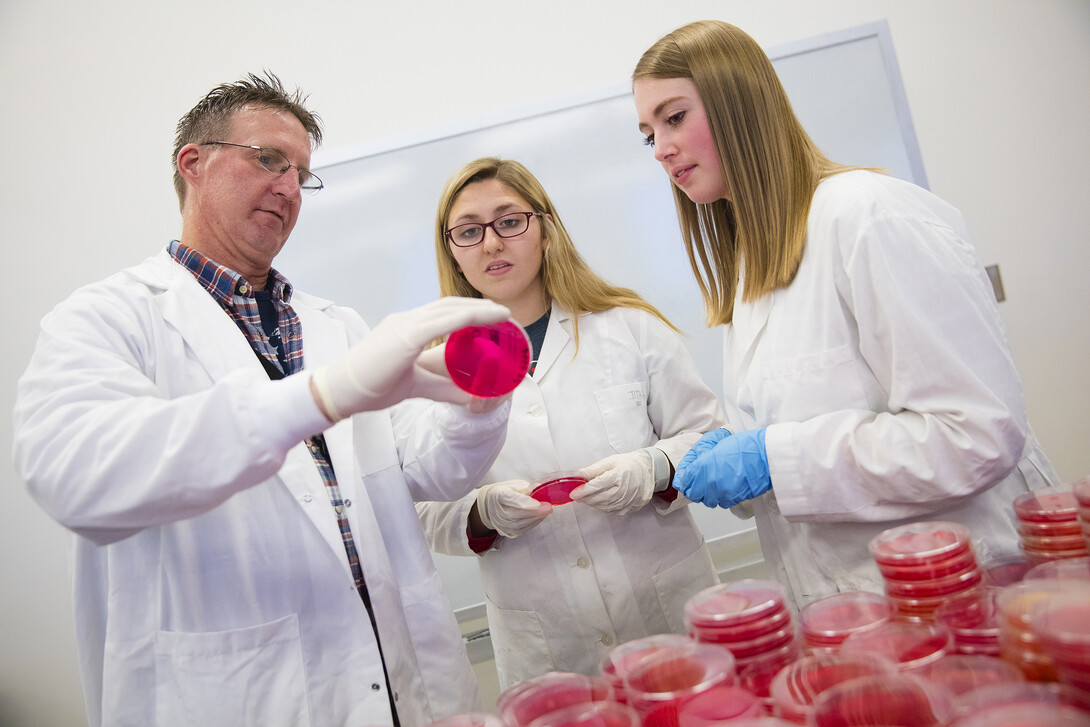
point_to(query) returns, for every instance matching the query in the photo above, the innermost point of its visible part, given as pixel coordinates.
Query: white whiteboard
(366, 240)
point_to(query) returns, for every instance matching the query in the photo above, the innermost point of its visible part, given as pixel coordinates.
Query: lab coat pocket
(519, 644)
(800, 388)
(680, 582)
(252, 675)
(624, 414)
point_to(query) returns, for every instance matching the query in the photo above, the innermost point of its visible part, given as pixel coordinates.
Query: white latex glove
(624, 483)
(390, 364)
(507, 508)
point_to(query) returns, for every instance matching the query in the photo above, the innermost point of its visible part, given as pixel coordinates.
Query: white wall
(997, 91)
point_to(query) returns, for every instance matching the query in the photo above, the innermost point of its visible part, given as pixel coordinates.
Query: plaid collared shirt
(236, 297)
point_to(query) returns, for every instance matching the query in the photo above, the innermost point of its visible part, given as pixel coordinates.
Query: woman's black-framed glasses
(511, 224)
(277, 163)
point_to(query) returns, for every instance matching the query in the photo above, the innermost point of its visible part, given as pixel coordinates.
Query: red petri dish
(732, 604)
(1004, 570)
(623, 657)
(557, 487)
(911, 646)
(946, 586)
(973, 617)
(750, 648)
(1049, 504)
(531, 699)
(1052, 529)
(920, 543)
(593, 714)
(960, 562)
(1062, 624)
(795, 687)
(828, 620)
(488, 361)
(674, 674)
(718, 705)
(727, 634)
(886, 699)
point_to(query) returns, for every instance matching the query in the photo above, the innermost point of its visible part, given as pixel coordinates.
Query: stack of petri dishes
(911, 646)
(1062, 627)
(531, 699)
(1017, 642)
(1081, 490)
(1003, 570)
(923, 564)
(749, 618)
(826, 622)
(1048, 524)
(621, 658)
(797, 685)
(973, 620)
(661, 684)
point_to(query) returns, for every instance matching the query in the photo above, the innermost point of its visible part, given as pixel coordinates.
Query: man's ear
(189, 161)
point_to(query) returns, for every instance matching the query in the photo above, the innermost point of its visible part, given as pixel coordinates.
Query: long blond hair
(565, 276)
(770, 164)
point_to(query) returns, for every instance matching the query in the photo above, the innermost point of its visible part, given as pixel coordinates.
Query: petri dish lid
(623, 657)
(795, 687)
(961, 673)
(1062, 622)
(920, 543)
(945, 586)
(469, 719)
(1003, 570)
(884, 699)
(971, 614)
(1071, 568)
(528, 700)
(735, 602)
(675, 672)
(829, 620)
(959, 562)
(730, 633)
(717, 705)
(591, 714)
(1048, 504)
(555, 488)
(909, 645)
(488, 361)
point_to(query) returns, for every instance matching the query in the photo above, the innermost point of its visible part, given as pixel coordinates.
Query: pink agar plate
(488, 361)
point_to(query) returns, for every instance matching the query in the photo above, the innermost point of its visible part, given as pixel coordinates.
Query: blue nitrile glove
(725, 472)
(706, 442)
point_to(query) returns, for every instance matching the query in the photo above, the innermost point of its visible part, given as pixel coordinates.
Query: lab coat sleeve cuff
(289, 412)
(782, 447)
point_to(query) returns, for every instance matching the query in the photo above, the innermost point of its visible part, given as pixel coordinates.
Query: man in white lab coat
(239, 485)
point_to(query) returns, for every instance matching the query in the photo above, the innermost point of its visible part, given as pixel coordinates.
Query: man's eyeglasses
(277, 163)
(472, 233)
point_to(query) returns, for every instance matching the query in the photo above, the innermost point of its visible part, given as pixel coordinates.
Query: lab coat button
(348, 503)
(582, 562)
(536, 410)
(397, 696)
(306, 497)
(607, 640)
(375, 687)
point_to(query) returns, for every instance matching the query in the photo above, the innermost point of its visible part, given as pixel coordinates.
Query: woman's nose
(491, 240)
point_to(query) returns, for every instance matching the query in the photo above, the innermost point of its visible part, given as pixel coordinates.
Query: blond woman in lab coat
(867, 377)
(613, 391)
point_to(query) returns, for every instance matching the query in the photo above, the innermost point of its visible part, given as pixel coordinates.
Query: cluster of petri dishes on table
(951, 642)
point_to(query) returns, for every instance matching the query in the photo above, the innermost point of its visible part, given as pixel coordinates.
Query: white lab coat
(562, 595)
(884, 378)
(211, 584)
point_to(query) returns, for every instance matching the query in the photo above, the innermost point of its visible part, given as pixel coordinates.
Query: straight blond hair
(771, 166)
(566, 278)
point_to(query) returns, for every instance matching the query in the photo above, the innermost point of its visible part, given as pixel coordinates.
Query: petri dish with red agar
(829, 620)
(488, 361)
(885, 699)
(623, 657)
(531, 699)
(920, 544)
(555, 488)
(1046, 505)
(911, 646)
(660, 684)
(591, 714)
(795, 686)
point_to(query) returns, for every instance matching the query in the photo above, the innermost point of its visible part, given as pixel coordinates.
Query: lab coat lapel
(747, 327)
(556, 339)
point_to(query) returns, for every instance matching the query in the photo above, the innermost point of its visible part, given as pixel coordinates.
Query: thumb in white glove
(390, 364)
(507, 508)
(623, 483)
